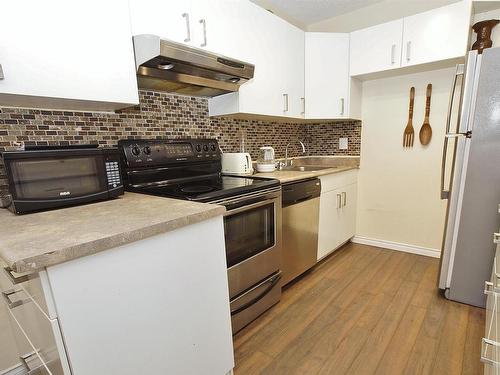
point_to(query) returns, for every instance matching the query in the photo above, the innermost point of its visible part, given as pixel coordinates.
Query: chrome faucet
(286, 153)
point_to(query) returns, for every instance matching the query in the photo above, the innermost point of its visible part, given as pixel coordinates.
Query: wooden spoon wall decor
(425, 133)
(409, 133)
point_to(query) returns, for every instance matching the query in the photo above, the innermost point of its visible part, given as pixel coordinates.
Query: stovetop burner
(196, 189)
(211, 189)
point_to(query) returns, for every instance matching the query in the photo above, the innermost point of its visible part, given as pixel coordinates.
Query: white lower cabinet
(130, 310)
(337, 211)
(39, 340)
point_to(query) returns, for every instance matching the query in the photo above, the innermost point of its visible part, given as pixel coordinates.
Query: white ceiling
(345, 15)
(305, 12)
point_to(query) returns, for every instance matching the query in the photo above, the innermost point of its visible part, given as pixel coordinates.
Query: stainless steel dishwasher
(300, 227)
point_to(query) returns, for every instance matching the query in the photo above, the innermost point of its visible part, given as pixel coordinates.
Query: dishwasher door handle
(303, 199)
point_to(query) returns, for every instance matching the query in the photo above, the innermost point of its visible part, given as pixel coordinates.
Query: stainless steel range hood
(164, 65)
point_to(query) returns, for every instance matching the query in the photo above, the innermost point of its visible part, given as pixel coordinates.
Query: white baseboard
(434, 253)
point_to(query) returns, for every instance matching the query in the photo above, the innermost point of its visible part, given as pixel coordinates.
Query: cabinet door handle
(188, 29)
(344, 199)
(408, 51)
(339, 200)
(1, 72)
(285, 102)
(303, 101)
(393, 54)
(13, 304)
(342, 106)
(204, 26)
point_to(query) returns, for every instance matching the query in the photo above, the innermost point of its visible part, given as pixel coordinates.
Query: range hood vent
(164, 65)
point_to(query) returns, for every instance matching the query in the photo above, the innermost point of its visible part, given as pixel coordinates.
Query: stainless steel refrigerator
(470, 178)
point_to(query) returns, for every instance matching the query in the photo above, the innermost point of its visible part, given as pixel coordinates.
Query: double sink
(312, 164)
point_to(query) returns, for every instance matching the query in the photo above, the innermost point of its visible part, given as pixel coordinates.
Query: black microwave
(43, 179)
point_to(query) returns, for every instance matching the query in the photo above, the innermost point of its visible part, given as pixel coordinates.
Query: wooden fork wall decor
(409, 133)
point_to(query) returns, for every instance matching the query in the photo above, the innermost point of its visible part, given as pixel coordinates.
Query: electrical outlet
(343, 143)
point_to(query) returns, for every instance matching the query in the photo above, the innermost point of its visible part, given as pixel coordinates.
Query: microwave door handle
(245, 306)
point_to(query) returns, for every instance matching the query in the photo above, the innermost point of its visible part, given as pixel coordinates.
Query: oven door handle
(249, 207)
(272, 284)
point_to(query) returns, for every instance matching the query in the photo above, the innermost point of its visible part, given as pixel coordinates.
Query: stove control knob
(205, 148)
(147, 150)
(136, 150)
(212, 147)
(198, 148)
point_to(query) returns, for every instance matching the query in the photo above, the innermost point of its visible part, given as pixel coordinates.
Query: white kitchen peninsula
(107, 292)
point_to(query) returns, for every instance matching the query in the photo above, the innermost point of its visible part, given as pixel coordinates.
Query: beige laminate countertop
(31, 242)
(290, 176)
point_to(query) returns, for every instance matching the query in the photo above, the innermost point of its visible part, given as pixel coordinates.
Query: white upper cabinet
(328, 90)
(438, 34)
(292, 70)
(67, 55)
(276, 48)
(213, 25)
(376, 48)
(168, 19)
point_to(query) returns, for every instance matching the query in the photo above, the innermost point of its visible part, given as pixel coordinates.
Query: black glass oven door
(57, 178)
(249, 232)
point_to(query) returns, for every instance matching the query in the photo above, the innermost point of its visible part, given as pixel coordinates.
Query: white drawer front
(28, 356)
(334, 181)
(42, 332)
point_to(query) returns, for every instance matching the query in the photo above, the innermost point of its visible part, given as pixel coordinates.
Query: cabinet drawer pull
(204, 26)
(188, 29)
(484, 347)
(393, 54)
(26, 358)
(339, 200)
(344, 199)
(489, 288)
(285, 102)
(496, 238)
(13, 304)
(342, 106)
(15, 279)
(1, 72)
(303, 101)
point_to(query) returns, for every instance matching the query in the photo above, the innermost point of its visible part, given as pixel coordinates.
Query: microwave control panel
(113, 173)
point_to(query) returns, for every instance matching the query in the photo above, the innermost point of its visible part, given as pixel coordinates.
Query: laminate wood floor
(364, 310)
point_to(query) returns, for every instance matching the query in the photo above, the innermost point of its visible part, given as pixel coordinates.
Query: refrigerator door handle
(459, 72)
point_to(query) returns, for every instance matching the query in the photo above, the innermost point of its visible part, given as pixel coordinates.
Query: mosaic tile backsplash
(162, 115)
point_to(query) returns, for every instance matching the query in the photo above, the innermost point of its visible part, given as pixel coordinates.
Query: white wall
(399, 188)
